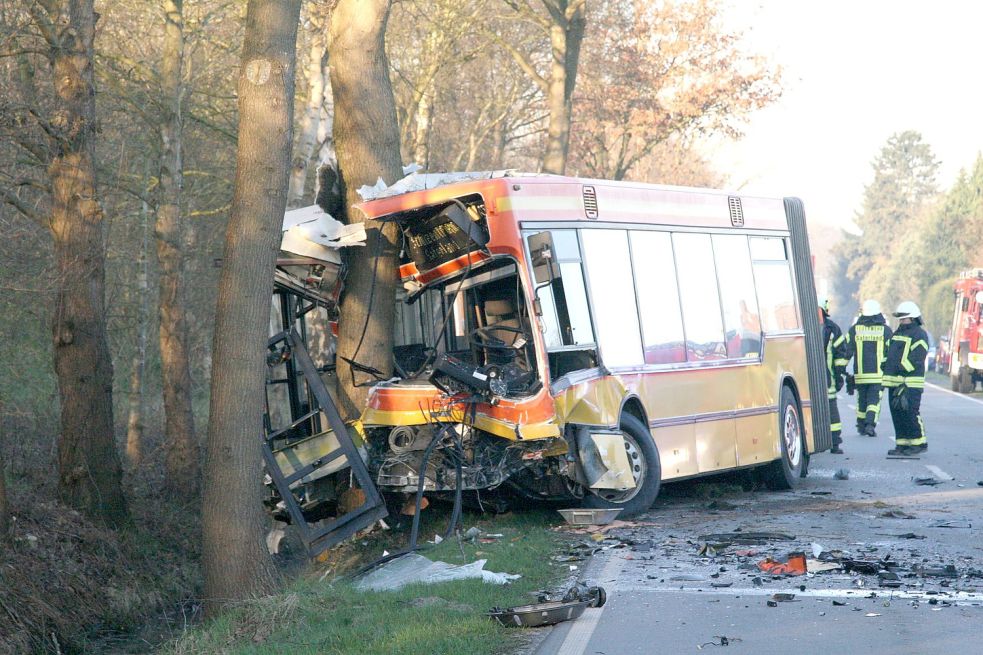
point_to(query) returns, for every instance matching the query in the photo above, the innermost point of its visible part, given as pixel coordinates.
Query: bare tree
(179, 424)
(235, 561)
(88, 462)
(137, 415)
(367, 142)
(317, 92)
(564, 21)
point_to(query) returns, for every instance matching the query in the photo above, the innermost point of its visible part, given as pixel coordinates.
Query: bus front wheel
(646, 469)
(782, 473)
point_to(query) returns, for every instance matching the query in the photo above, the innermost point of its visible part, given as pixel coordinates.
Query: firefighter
(836, 361)
(867, 345)
(904, 378)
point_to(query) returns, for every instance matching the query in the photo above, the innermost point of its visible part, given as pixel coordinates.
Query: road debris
(550, 611)
(927, 482)
(413, 567)
(724, 641)
(951, 524)
(895, 514)
(740, 537)
(842, 474)
(795, 565)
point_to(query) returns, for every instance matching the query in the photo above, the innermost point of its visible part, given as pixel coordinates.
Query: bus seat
(502, 312)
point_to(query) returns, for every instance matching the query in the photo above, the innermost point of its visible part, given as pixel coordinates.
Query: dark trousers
(908, 427)
(836, 427)
(868, 404)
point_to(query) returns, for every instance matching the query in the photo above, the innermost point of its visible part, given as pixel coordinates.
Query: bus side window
(658, 297)
(741, 320)
(773, 282)
(700, 299)
(612, 296)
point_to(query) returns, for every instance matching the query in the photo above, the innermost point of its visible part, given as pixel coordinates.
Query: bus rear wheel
(646, 469)
(782, 473)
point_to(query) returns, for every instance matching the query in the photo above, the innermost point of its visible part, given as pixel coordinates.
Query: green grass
(333, 618)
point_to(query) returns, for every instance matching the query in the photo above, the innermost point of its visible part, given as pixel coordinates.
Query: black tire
(782, 474)
(966, 384)
(646, 467)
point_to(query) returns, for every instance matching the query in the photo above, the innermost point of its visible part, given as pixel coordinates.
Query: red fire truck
(965, 347)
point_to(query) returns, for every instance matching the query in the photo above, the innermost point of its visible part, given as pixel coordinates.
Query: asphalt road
(666, 596)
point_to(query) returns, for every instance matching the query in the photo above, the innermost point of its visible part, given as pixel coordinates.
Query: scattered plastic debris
(549, 611)
(413, 567)
(795, 565)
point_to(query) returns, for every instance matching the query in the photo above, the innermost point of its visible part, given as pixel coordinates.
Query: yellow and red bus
(586, 339)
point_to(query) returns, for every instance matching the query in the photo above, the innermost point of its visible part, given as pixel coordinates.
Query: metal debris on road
(724, 641)
(951, 524)
(549, 611)
(740, 537)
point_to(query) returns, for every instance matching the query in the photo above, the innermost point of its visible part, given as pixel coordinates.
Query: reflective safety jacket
(867, 345)
(906, 354)
(837, 355)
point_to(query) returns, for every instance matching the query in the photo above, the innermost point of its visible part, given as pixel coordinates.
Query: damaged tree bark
(234, 557)
(180, 441)
(367, 143)
(89, 471)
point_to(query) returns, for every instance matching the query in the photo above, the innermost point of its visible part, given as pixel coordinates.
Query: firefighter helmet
(870, 308)
(824, 303)
(908, 309)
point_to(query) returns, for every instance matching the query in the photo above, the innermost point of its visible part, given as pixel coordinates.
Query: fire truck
(965, 348)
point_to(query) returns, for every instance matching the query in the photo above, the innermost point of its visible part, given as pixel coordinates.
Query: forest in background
(915, 236)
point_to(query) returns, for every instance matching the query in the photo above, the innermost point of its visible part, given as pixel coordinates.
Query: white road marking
(939, 473)
(953, 597)
(583, 628)
(953, 393)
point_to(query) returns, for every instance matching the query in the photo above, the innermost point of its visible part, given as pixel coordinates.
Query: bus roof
(533, 198)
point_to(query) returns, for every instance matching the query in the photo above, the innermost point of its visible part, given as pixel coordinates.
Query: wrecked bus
(586, 341)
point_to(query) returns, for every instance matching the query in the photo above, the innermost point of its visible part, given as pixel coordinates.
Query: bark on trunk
(89, 471)
(317, 75)
(134, 423)
(566, 35)
(180, 441)
(367, 143)
(235, 561)
(4, 513)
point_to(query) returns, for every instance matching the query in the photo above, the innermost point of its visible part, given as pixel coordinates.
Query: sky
(854, 74)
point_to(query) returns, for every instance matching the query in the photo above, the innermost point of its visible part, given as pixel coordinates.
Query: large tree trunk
(135, 421)
(236, 563)
(317, 75)
(566, 35)
(4, 514)
(367, 142)
(89, 471)
(181, 444)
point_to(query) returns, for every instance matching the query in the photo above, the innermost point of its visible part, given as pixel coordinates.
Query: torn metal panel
(304, 458)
